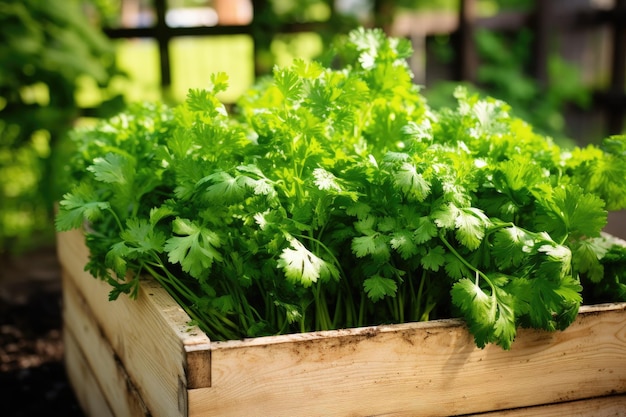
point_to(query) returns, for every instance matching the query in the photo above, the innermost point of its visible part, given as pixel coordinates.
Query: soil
(32, 373)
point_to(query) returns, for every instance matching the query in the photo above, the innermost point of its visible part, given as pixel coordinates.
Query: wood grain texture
(413, 369)
(611, 406)
(98, 359)
(89, 396)
(150, 336)
(431, 369)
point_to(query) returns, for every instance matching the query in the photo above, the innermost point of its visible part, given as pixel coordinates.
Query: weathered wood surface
(610, 406)
(149, 336)
(431, 368)
(89, 396)
(105, 388)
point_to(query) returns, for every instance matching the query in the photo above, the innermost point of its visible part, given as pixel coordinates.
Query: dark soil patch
(32, 373)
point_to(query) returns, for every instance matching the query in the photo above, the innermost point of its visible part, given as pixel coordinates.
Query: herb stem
(420, 296)
(116, 218)
(461, 258)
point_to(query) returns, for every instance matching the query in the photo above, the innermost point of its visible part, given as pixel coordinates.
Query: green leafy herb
(336, 197)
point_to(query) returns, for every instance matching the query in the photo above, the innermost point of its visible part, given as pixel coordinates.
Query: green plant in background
(504, 62)
(504, 74)
(335, 197)
(272, 15)
(45, 49)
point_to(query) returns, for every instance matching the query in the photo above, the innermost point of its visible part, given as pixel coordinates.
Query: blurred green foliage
(504, 73)
(271, 15)
(46, 49)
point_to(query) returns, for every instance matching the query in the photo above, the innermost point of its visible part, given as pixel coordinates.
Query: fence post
(467, 62)
(383, 14)
(163, 39)
(617, 99)
(540, 23)
(261, 32)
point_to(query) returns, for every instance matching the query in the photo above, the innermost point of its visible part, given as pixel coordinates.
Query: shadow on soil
(32, 372)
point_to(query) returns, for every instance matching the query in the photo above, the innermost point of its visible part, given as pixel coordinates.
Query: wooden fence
(572, 25)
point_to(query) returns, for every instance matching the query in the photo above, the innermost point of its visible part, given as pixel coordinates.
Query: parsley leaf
(79, 206)
(193, 246)
(378, 287)
(304, 267)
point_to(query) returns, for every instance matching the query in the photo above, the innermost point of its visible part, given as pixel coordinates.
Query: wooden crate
(133, 358)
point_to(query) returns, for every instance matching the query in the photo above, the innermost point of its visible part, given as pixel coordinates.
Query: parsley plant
(335, 197)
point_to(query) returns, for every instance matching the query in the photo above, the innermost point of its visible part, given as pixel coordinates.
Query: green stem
(322, 316)
(413, 299)
(170, 278)
(338, 310)
(351, 314)
(464, 262)
(303, 328)
(208, 323)
(361, 321)
(400, 301)
(215, 323)
(420, 295)
(479, 273)
(117, 219)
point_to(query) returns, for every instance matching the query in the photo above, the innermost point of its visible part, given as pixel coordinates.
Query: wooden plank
(611, 406)
(429, 369)
(424, 23)
(150, 336)
(97, 360)
(90, 397)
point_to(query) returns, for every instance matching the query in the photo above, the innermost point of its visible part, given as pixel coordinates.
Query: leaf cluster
(335, 197)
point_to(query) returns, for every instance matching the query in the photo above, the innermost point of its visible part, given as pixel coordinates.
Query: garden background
(561, 64)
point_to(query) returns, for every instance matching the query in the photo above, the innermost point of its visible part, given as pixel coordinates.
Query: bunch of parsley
(337, 198)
